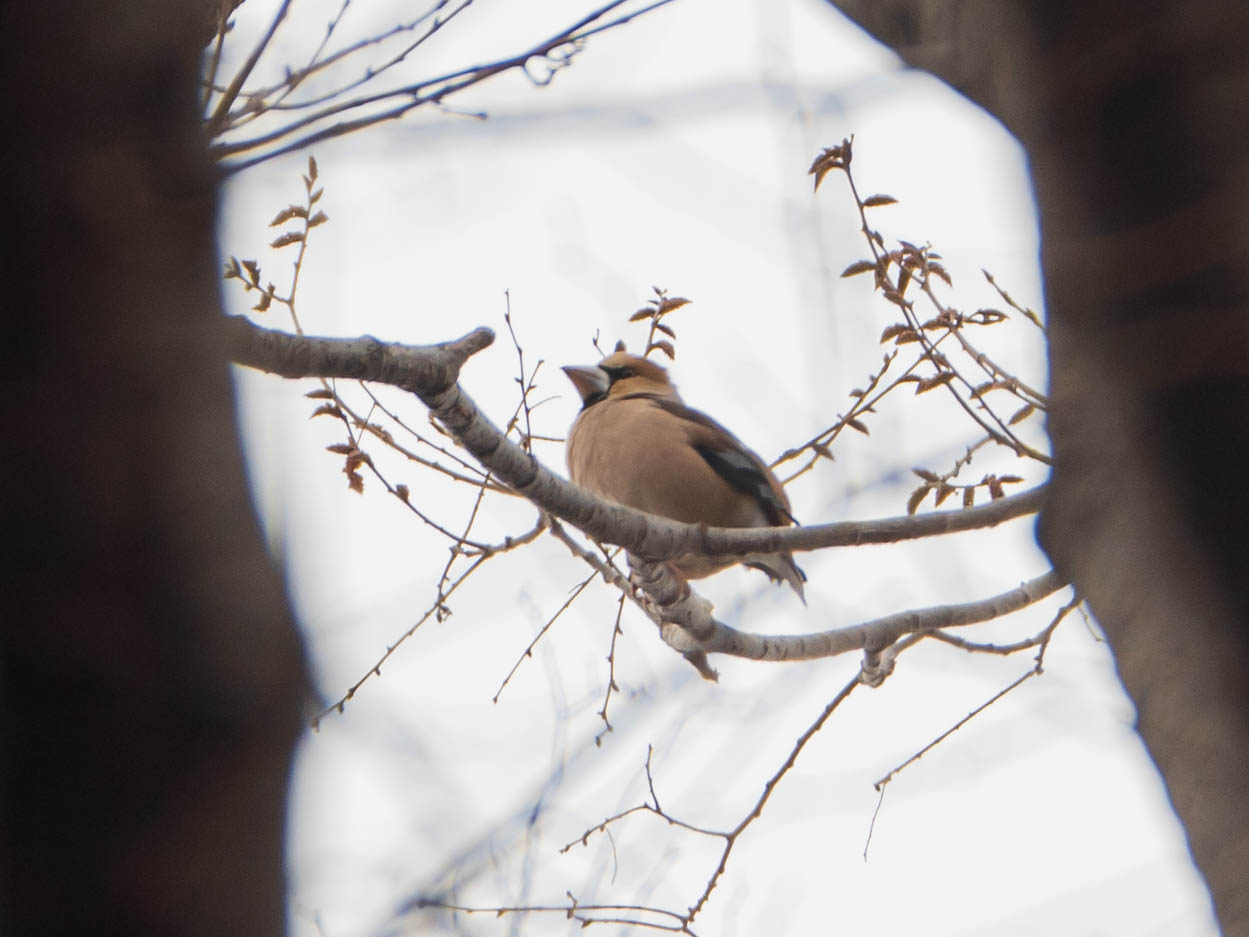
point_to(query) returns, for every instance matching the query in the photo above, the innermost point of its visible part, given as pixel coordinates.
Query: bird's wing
(731, 459)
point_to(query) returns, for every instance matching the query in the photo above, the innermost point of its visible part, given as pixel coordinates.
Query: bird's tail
(780, 567)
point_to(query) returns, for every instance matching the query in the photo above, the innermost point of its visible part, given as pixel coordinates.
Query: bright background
(674, 152)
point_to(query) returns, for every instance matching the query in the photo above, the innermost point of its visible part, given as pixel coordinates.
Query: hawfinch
(637, 444)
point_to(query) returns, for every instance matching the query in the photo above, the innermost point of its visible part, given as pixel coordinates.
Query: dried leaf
(830, 158)
(317, 219)
(859, 425)
(664, 346)
(916, 498)
(319, 394)
(904, 280)
(1010, 479)
(312, 168)
(315, 196)
(926, 475)
(969, 496)
(253, 272)
(671, 304)
(893, 331)
(846, 150)
(995, 489)
(828, 155)
(327, 409)
(287, 239)
(873, 200)
(355, 481)
(859, 266)
(666, 329)
(937, 270)
(286, 214)
(401, 492)
(1021, 414)
(987, 316)
(232, 270)
(944, 492)
(936, 380)
(644, 313)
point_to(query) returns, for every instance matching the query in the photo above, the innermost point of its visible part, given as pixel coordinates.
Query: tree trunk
(151, 675)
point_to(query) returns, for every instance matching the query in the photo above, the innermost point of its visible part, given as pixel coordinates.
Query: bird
(635, 442)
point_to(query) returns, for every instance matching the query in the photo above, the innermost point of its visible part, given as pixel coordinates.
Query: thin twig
(231, 92)
(429, 91)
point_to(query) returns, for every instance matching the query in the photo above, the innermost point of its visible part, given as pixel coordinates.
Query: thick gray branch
(431, 372)
(869, 636)
(421, 369)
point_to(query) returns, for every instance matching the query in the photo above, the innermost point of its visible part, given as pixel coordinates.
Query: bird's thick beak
(590, 381)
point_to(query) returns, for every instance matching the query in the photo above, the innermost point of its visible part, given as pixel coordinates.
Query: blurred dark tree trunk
(1136, 121)
(151, 676)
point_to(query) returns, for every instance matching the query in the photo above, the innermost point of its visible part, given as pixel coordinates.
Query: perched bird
(637, 444)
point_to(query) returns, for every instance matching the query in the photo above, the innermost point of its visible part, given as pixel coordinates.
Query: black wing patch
(744, 474)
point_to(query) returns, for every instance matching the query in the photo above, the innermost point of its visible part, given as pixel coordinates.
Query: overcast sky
(673, 152)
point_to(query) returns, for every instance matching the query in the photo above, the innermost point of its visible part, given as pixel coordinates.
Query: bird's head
(618, 374)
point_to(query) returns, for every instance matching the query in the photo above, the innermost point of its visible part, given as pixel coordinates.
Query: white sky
(674, 152)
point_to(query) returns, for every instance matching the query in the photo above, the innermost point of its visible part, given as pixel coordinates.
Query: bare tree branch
(684, 618)
(231, 93)
(431, 372)
(299, 133)
(870, 635)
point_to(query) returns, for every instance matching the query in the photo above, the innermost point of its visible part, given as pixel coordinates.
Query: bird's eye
(627, 372)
